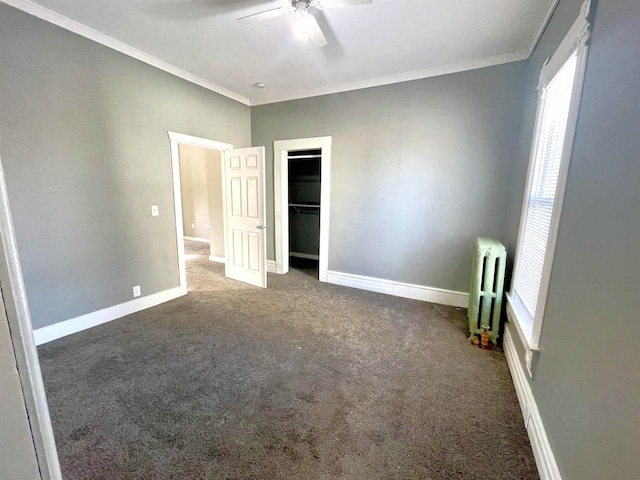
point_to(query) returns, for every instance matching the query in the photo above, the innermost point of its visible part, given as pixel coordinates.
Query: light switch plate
(154, 211)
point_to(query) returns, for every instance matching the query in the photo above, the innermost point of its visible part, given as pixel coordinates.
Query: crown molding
(482, 62)
(50, 16)
(110, 42)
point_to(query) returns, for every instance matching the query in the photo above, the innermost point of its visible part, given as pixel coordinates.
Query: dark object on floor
(302, 380)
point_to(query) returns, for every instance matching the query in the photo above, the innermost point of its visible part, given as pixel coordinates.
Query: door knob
(261, 227)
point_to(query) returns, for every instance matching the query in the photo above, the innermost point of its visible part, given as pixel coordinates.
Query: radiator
(487, 284)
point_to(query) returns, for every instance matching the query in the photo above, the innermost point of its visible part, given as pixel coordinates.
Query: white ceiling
(385, 42)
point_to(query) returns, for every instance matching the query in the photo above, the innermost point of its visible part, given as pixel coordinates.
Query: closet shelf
(304, 205)
(304, 157)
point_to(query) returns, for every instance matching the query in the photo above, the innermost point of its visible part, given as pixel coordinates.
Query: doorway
(195, 150)
(201, 192)
(243, 210)
(302, 185)
(304, 209)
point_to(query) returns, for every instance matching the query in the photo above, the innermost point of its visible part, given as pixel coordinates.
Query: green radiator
(487, 284)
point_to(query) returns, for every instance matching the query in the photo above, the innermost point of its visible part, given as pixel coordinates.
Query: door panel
(238, 252)
(236, 197)
(246, 213)
(254, 251)
(252, 198)
(17, 453)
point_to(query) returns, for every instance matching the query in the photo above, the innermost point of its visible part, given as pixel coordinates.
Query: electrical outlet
(154, 211)
(193, 225)
(136, 291)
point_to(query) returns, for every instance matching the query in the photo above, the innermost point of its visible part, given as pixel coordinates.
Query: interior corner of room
(125, 175)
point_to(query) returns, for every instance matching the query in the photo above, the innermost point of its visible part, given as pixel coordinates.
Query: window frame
(576, 41)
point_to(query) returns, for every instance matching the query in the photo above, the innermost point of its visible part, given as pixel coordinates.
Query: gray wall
(194, 191)
(419, 169)
(587, 378)
(83, 133)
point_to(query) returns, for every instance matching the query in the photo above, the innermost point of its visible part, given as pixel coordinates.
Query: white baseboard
(213, 258)
(545, 459)
(197, 239)
(271, 266)
(74, 325)
(406, 290)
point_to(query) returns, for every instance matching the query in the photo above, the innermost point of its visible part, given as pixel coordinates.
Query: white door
(245, 205)
(17, 452)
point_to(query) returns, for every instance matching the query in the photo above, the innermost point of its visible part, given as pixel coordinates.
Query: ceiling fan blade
(266, 15)
(314, 31)
(343, 3)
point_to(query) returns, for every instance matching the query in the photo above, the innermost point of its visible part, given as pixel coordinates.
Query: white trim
(489, 61)
(546, 18)
(431, 294)
(110, 42)
(198, 141)
(518, 315)
(271, 266)
(225, 228)
(175, 139)
(399, 289)
(545, 459)
(213, 258)
(83, 322)
(361, 282)
(24, 347)
(177, 209)
(281, 199)
(575, 40)
(196, 239)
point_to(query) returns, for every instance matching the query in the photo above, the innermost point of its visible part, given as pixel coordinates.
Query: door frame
(177, 139)
(281, 149)
(24, 346)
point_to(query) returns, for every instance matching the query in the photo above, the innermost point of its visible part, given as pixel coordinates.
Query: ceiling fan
(306, 25)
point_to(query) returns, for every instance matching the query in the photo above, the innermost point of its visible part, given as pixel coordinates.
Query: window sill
(517, 315)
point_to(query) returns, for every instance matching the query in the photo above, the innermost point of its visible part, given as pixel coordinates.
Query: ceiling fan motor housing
(301, 5)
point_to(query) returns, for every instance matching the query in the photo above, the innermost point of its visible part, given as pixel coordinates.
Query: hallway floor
(303, 380)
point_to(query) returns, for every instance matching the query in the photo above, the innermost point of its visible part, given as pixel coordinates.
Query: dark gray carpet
(300, 381)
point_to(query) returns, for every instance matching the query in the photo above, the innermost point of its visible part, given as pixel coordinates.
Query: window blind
(551, 132)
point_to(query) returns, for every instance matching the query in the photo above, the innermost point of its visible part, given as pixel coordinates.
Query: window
(558, 98)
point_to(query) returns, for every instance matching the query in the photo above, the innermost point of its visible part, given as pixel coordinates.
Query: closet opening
(302, 196)
(305, 177)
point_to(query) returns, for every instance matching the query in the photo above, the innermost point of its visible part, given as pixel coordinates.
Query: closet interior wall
(304, 203)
